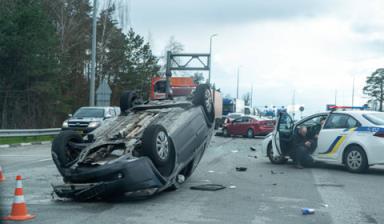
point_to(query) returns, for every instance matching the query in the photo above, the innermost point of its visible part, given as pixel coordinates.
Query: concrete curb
(24, 144)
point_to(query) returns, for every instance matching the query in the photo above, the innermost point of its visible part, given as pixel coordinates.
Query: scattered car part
(241, 169)
(208, 187)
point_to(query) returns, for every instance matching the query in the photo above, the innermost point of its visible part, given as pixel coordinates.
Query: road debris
(308, 211)
(231, 186)
(211, 171)
(208, 187)
(241, 169)
(234, 151)
(219, 134)
(274, 184)
(273, 172)
(324, 205)
(252, 148)
(252, 156)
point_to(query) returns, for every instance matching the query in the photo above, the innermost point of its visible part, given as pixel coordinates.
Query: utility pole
(93, 65)
(210, 56)
(353, 91)
(293, 103)
(251, 95)
(237, 90)
(335, 97)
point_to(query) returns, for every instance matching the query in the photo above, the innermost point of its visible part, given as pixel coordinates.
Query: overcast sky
(311, 46)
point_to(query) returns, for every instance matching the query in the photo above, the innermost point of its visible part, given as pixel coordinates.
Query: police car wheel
(274, 159)
(355, 159)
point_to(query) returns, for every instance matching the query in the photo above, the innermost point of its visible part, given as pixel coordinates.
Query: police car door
(282, 133)
(333, 134)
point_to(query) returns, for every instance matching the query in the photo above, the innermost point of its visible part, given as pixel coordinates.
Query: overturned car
(151, 147)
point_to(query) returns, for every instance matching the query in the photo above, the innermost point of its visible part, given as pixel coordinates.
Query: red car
(248, 126)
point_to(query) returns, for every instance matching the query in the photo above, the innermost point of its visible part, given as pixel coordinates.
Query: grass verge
(25, 139)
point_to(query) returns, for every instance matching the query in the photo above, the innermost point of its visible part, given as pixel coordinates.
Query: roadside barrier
(28, 132)
(19, 207)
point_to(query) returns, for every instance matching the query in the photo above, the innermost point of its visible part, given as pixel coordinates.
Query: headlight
(65, 124)
(94, 124)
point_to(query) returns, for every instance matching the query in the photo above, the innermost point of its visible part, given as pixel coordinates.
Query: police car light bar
(348, 107)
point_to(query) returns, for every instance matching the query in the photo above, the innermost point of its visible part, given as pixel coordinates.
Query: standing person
(303, 148)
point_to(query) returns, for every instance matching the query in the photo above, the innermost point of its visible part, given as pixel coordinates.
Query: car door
(333, 134)
(235, 127)
(244, 125)
(282, 134)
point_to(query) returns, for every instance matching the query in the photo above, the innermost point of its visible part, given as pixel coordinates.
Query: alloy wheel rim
(162, 146)
(354, 159)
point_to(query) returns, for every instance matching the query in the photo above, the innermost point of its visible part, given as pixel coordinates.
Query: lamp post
(93, 63)
(210, 56)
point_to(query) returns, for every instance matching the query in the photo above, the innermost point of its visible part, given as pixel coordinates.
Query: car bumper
(263, 130)
(80, 130)
(134, 177)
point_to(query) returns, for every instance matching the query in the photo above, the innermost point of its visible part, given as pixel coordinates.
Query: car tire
(64, 154)
(250, 133)
(127, 100)
(157, 145)
(225, 132)
(203, 97)
(355, 159)
(274, 159)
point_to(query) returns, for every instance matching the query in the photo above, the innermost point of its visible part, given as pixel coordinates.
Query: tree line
(45, 60)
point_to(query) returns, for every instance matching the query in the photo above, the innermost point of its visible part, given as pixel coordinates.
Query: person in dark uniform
(304, 147)
(319, 127)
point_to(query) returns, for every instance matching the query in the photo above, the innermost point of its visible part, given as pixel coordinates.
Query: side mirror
(69, 115)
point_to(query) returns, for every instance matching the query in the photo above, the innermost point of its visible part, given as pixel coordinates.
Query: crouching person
(304, 147)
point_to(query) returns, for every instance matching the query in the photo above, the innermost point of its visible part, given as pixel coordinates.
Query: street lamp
(210, 56)
(93, 61)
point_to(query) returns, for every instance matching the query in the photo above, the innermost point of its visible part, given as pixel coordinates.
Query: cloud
(182, 13)
(312, 46)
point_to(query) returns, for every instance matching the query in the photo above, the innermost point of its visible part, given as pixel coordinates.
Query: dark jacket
(300, 141)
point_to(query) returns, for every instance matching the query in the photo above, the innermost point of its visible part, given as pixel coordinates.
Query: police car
(352, 138)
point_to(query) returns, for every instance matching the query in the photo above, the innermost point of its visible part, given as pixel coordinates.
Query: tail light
(379, 134)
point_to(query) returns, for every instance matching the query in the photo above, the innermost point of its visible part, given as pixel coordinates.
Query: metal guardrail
(28, 132)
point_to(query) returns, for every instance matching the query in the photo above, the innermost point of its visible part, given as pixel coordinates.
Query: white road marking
(42, 160)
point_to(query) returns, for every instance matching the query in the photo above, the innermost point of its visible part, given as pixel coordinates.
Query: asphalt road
(264, 193)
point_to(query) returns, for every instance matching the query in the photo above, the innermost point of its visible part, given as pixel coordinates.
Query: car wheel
(225, 132)
(274, 159)
(355, 159)
(127, 100)
(63, 152)
(156, 145)
(203, 97)
(250, 133)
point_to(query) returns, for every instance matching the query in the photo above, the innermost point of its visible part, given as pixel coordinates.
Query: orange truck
(181, 86)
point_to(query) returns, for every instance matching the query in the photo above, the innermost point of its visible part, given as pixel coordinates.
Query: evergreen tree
(375, 87)
(27, 63)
